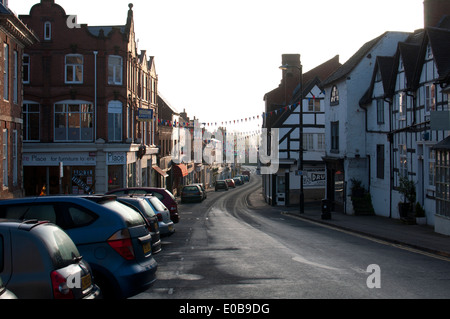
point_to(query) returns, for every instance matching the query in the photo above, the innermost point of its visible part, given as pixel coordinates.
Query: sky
(216, 59)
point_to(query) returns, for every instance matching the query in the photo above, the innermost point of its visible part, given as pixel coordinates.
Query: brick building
(14, 36)
(90, 106)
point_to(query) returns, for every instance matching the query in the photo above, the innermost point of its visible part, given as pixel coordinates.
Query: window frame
(6, 71)
(26, 121)
(334, 147)
(26, 67)
(47, 30)
(67, 112)
(5, 137)
(115, 70)
(114, 106)
(75, 67)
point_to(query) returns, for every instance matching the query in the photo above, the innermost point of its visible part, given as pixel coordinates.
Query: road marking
(311, 263)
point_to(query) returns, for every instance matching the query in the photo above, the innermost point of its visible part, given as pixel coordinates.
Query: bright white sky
(217, 59)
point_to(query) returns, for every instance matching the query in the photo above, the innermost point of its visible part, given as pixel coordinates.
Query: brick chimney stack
(434, 10)
(292, 74)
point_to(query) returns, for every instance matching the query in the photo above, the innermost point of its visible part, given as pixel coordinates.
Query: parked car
(237, 181)
(146, 212)
(202, 188)
(165, 224)
(247, 174)
(220, 184)
(39, 261)
(111, 236)
(5, 294)
(230, 183)
(191, 193)
(163, 195)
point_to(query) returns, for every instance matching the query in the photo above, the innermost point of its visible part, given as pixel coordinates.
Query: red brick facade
(89, 85)
(14, 36)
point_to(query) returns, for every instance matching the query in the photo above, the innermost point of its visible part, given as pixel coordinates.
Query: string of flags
(235, 121)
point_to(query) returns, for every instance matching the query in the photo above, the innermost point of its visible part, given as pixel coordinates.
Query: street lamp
(300, 151)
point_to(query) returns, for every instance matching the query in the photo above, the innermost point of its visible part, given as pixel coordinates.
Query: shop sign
(314, 177)
(116, 158)
(145, 115)
(59, 159)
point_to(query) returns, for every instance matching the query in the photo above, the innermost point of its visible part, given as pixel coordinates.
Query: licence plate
(146, 247)
(170, 227)
(86, 282)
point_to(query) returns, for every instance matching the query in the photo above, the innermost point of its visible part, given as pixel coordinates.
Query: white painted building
(346, 154)
(283, 187)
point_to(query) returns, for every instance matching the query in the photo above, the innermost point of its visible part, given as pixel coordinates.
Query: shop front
(59, 173)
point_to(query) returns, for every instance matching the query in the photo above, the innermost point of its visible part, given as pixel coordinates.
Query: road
(224, 249)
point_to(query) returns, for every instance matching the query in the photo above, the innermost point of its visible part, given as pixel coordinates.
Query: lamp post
(300, 151)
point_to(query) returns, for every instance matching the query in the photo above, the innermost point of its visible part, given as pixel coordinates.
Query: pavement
(395, 231)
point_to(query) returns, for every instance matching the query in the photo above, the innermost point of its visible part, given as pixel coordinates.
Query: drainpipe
(95, 94)
(390, 139)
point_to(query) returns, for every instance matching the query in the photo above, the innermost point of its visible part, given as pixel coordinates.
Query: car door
(5, 255)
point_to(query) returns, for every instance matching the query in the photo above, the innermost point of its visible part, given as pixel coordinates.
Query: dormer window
(47, 30)
(334, 99)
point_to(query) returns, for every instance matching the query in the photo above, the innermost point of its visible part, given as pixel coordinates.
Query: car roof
(87, 201)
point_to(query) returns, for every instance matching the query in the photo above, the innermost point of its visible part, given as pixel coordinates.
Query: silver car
(166, 226)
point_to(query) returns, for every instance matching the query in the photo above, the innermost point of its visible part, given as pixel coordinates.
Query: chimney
(292, 73)
(434, 11)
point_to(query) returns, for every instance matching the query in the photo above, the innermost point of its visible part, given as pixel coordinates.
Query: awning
(180, 170)
(443, 145)
(160, 171)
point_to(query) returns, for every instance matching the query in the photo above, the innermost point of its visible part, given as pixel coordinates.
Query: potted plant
(408, 189)
(421, 218)
(357, 189)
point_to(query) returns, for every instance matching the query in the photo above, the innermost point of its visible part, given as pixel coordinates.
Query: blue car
(111, 236)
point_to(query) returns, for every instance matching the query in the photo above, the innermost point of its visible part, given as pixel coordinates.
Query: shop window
(115, 177)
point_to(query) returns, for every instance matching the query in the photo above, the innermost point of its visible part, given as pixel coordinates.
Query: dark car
(162, 194)
(202, 187)
(238, 181)
(111, 236)
(191, 193)
(221, 185)
(149, 215)
(39, 261)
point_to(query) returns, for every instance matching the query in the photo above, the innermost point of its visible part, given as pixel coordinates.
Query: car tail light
(59, 285)
(121, 243)
(160, 217)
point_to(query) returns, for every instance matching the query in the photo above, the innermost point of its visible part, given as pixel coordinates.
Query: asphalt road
(222, 249)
